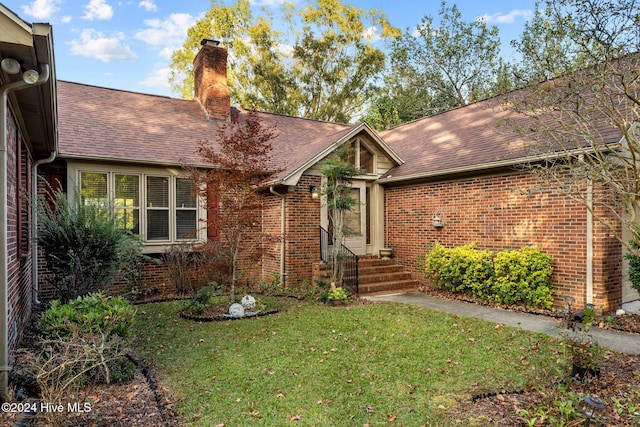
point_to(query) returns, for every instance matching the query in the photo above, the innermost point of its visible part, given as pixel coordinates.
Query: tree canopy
(442, 64)
(320, 65)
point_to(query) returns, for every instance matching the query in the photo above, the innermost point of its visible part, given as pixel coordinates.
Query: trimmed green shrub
(523, 276)
(509, 277)
(461, 269)
(93, 314)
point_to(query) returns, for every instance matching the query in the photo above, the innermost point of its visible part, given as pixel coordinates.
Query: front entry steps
(376, 276)
(383, 276)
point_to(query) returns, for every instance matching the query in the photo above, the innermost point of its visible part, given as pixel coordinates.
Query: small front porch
(375, 276)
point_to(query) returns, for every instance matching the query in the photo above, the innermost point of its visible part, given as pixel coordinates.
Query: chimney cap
(210, 42)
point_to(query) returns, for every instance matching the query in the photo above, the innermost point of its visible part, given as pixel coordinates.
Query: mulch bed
(619, 379)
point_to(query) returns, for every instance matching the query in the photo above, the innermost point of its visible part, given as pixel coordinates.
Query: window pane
(366, 159)
(158, 225)
(128, 219)
(93, 188)
(185, 197)
(186, 224)
(158, 192)
(353, 217)
(127, 190)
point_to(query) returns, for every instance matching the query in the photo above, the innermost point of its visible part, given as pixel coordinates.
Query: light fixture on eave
(12, 66)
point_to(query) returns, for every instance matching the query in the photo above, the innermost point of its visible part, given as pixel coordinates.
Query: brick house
(451, 177)
(29, 139)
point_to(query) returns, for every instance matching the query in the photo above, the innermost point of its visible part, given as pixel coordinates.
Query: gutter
(34, 224)
(389, 179)
(282, 233)
(589, 266)
(4, 258)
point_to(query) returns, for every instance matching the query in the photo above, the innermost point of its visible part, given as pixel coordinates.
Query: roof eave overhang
(35, 107)
(416, 178)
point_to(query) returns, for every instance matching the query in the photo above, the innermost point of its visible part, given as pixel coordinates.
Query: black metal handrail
(347, 257)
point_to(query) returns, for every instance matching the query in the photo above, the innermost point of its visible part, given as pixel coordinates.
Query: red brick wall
(302, 232)
(506, 211)
(19, 164)
(272, 231)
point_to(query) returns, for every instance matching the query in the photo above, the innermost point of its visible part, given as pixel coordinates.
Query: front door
(355, 220)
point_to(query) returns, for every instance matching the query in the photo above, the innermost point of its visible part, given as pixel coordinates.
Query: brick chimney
(210, 80)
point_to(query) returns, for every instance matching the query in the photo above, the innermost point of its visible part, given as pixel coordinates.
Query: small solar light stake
(593, 404)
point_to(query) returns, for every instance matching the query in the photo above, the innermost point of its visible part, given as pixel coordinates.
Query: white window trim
(74, 169)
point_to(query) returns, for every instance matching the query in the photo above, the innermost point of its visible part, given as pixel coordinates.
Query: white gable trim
(293, 177)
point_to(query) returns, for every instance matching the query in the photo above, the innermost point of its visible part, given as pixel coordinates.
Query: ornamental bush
(84, 245)
(523, 276)
(462, 269)
(509, 277)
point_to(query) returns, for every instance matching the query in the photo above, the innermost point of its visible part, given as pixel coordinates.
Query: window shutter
(213, 209)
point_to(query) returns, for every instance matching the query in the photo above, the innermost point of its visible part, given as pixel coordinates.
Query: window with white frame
(161, 208)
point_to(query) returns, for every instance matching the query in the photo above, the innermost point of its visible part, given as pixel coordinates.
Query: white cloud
(506, 19)
(97, 9)
(148, 5)
(284, 49)
(65, 19)
(94, 44)
(371, 34)
(158, 78)
(41, 9)
(168, 33)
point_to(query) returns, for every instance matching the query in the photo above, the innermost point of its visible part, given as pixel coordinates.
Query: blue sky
(127, 44)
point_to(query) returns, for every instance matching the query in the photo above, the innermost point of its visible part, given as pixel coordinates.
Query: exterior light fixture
(436, 219)
(10, 66)
(592, 404)
(30, 76)
(315, 193)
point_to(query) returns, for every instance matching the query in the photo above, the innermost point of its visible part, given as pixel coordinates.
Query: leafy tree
(442, 64)
(545, 46)
(83, 244)
(338, 170)
(240, 161)
(575, 120)
(322, 67)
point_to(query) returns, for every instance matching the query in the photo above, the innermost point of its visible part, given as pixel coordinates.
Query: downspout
(589, 242)
(34, 224)
(282, 232)
(4, 259)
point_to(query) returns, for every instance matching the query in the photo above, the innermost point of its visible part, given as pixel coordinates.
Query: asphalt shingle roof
(109, 124)
(100, 123)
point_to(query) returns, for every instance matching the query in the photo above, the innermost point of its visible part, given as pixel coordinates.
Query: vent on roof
(210, 80)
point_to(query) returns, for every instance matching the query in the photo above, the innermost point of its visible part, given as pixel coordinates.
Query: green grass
(315, 365)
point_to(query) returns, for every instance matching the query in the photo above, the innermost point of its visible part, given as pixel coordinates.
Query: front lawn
(311, 364)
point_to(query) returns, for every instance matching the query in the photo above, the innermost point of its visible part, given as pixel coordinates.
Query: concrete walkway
(625, 343)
